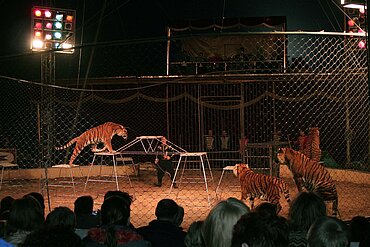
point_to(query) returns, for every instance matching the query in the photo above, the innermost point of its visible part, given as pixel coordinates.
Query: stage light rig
(53, 29)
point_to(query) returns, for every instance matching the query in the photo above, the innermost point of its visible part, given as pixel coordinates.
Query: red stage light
(351, 23)
(38, 25)
(37, 12)
(69, 18)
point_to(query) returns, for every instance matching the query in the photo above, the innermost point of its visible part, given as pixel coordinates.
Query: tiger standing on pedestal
(99, 134)
(255, 185)
(309, 174)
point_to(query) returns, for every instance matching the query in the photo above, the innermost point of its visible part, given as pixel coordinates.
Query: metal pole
(368, 69)
(168, 51)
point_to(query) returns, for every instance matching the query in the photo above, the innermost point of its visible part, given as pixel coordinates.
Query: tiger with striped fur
(99, 134)
(312, 146)
(255, 185)
(309, 174)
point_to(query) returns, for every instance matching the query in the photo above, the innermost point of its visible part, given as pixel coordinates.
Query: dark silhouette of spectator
(255, 230)
(114, 229)
(359, 228)
(25, 216)
(124, 195)
(328, 231)
(39, 198)
(218, 226)
(53, 237)
(224, 139)
(209, 140)
(5, 206)
(127, 198)
(86, 218)
(165, 231)
(305, 209)
(61, 217)
(266, 209)
(194, 237)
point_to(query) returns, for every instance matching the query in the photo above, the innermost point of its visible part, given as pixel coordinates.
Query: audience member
(39, 198)
(218, 226)
(266, 209)
(85, 216)
(193, 237)
(256, 230)
(359, 228)
(305, 209)
(53, 237)
(25, 216)
(165, 231)
(124, 195)
(114, 230)
(5, 206)
(328, 231)
(61, 217)
(127, 198)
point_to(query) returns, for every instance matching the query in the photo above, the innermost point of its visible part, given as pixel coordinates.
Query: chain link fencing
(238, 106)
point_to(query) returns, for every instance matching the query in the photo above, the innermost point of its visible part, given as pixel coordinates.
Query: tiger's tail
(70, 143)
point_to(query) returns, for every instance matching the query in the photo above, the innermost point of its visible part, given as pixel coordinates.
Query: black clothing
(164, 165)
(163, 234)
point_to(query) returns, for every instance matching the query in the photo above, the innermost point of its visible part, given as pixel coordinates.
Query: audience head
(25, 215)
(61, 217)
(84, 205)
(255, 230)
(115, 211)
(359, 228)
(194, 236)
(266, 209)
(328, 232)
(5, 205)
(305, 209)
(217, 227)
(53, 236)
(124, 195)
(39, 198)
(169, 210)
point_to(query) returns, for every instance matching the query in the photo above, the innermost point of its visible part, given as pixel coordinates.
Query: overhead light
(353, 4)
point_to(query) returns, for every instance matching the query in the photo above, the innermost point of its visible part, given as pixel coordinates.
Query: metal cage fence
(234, 107)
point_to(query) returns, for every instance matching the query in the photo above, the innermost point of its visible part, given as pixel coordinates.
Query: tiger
(255, 185)
(99, 134)
(309, 174)
(312, 146)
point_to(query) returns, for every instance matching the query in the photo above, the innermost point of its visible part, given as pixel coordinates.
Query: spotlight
(51, 28)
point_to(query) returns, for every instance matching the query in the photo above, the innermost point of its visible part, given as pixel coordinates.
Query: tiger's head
(120, 131)
(238, 169)
(281, 155)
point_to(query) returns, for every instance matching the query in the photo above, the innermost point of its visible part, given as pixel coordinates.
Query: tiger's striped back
(254, 185)
(309, 174)
(312, 146)
(99, 134)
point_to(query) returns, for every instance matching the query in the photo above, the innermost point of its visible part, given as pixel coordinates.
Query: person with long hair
(218, 226)
(305, 209)
(26, 216)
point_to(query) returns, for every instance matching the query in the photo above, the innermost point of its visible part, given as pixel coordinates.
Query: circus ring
(352, 193)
